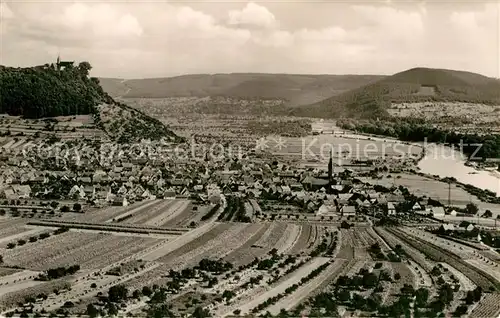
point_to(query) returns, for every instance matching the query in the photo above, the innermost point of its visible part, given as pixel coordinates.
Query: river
(438, 160)
(447, 162)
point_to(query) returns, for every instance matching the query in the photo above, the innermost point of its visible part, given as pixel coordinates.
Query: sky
(153, 38)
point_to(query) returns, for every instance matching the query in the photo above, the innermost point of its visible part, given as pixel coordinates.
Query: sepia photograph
(278, 158)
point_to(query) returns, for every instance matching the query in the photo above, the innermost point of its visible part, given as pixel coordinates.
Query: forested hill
(67, 90)
(414, 85)
(46, 91)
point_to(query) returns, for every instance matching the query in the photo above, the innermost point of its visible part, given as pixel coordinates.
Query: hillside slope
(414, 85)
(52, 91)
(296, 89)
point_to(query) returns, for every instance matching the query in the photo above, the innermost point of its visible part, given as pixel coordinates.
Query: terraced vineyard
(274, 266)
(438, 254)
(86, 249)
(488, 307)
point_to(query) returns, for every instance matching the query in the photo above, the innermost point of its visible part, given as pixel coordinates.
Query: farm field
(10, 228)
(278, 289)
(145, 216)
(306, 290)
(270, 262)
(488, 307)
(109, 214)
(224, 244)
(88, 250)
(22, 232)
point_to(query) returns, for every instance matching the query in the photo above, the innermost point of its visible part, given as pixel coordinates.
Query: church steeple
(330, 167)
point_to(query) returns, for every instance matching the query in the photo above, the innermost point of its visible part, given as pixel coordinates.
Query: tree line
(417, 130)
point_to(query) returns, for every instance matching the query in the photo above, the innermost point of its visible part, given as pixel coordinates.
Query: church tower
(330, 168)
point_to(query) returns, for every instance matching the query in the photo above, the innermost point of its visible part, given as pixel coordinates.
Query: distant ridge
(297, 89)
(413, 85)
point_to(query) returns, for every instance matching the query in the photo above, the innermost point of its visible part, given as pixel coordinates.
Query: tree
(159, 311)
(146, 291)
(421, 297)
(407, 289)
(397, 276)
(136, 294)
(471, 208)
(227, 295)
(65, 209)
(84, 68)
(159, 297)
(487, 214)
(112, 309)
(358, 301)
(345, 225)
(469, 298)
(446, 294)
(438, 306)
(77, 207)
(68, 304)
(117, 293)
(199, 312)
(344, 295)
(460, 311)
(385, 275)
(373, 302)
(92, 311)
(477, 293)
(435, 271)
(370, 280)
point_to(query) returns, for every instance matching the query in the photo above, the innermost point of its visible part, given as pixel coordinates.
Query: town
(126, 230)
(282, 159)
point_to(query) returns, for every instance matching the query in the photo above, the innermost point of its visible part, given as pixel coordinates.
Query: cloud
(5, 12)
(252, 15)
(390, 22)
(162, 39)
(326, 34)
(102, 19)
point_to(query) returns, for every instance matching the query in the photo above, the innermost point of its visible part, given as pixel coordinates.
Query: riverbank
(444, 164)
